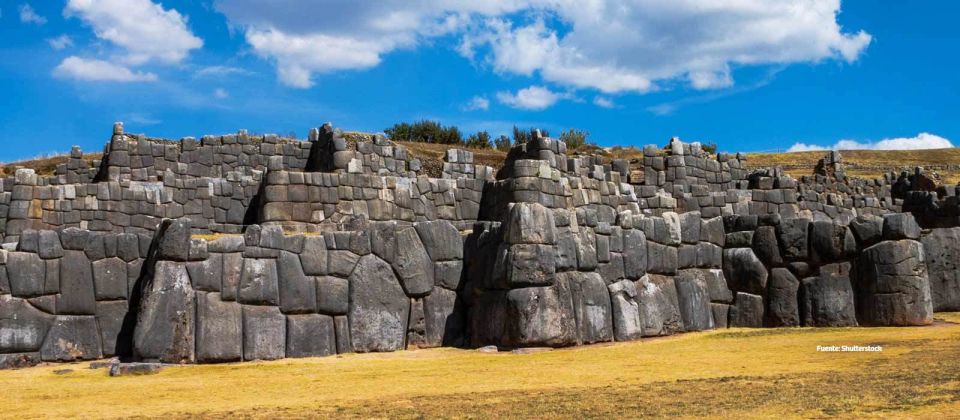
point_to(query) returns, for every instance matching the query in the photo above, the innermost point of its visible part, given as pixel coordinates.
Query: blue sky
(750, 75)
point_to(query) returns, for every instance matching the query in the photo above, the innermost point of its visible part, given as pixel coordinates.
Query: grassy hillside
(867, 163)
(736, 373)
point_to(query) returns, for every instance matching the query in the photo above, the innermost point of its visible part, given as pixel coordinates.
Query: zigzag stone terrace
(240, 247)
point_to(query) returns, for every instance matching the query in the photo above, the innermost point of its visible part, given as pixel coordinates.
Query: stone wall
(244, 247)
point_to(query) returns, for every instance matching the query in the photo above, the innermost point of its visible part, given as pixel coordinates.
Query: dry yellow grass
(873, 162)
(729, 373)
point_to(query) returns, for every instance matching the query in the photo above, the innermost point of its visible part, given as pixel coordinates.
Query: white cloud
(220, 93)
(477, 103)
(60, 42)
(98, 70)
(144, 30)
(603, 102)
(610, 46)
(28, 15)
(220, 71)
(920, 141)
(532, 98)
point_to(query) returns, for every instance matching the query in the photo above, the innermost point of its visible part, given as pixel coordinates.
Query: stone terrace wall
(266, 295)
(64, 295)
(335, 245)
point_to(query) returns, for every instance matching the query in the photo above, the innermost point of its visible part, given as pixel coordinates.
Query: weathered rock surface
(893, 288)
(744, 271)
(659, 306)
(379, 309)
(782, 299)
(693, 298)
(166, 321)
(941, 250)
(264, 333)
(827, 300)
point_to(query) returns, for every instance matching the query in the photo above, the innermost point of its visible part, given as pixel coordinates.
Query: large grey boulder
(721, 314)
(232, 273)
(746, 311)
(441, 239)
(717, 286)
(690, 223)
(310, 335)
(219, 329)
(207, 275)
(264, 333)
(586, 250)
(941, 250)
(711, 230)
(827, 300)
(792, 235)
(379, 309)
(110, 278)
(298, 293)
(166, 320)
(867, 229)
(341, 262)
(333, 295)
(443, 320)
(661, 259)
(541, 317)
(448, 274)
(591, 306)
(314, 256)
(174, 244)
(782, 299)
(529, 223)
(830, 241)
(634, 254)
(765, 246)
(627, 322)
(76, 285)
(893, 288)
(22, 327)
(26, 273)
(744, 271)
(110, 317)
(693, 298)
(900, 226)
(531, 265)
(659, 306)
(258, 283)
(488, 319)
(49, 246)
(412, 263)
(72, 338)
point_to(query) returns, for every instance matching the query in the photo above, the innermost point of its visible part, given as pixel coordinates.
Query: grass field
(866, 163)
(729, 373)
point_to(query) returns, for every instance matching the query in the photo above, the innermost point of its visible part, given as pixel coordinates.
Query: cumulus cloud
(603, 102)
(143, 29)
(60, 42)
(531, 98)
(603, 45)
(920, 141)
(28, 15)
(78, 68)
(477, 103)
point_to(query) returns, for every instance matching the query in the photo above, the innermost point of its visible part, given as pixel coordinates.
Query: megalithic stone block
(219, 329)
(166, 320)
(894, 289)
(412, 263)
(379, 308)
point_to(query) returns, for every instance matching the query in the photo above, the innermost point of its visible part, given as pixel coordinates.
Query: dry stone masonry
(243, 247)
